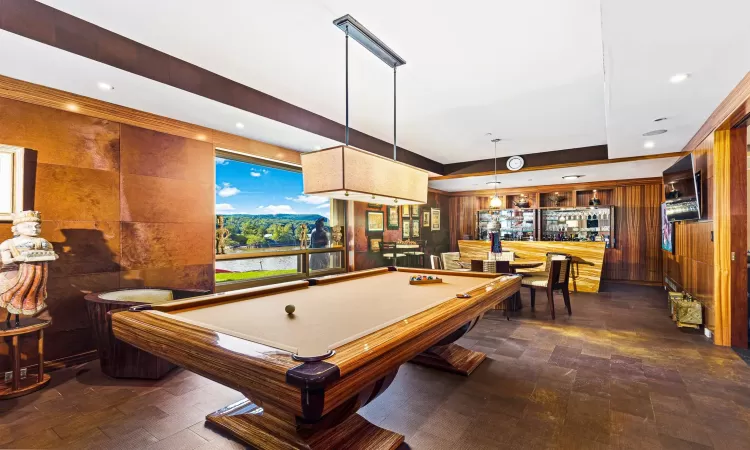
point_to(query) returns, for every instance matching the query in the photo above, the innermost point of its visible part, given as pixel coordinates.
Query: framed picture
(374, 243)
(393, 217)
(375, 222)
(405, 211)
(667, 231)
(374, 205)
(415, 211)
(11, 181)
(435, 219)
(415, 228)
(406, 229)
(426, 219)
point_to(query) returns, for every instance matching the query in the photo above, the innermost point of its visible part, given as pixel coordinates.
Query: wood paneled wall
(636, 254)
(437, 241)
(123, 207)
(691, 267)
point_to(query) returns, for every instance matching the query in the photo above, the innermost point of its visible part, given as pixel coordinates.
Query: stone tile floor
(616, 374)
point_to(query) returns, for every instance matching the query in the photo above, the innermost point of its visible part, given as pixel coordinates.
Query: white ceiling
(541, 75)
(529, 72)
(601, 172)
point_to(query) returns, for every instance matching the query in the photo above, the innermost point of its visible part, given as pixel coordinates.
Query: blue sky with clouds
(243, 188)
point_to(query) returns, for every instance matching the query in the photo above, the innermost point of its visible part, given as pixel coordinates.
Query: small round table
(32, 382)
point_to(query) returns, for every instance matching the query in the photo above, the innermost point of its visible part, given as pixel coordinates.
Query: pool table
(306, 374)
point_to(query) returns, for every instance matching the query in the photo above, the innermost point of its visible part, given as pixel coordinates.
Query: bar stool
(388, 250)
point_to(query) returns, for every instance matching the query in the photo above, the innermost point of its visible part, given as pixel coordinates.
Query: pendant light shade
(348, 173)
(496, 202)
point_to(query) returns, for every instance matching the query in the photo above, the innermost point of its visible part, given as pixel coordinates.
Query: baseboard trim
(68, 361)
(637, 282)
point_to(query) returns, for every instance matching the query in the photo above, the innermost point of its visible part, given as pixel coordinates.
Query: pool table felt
(330, 315)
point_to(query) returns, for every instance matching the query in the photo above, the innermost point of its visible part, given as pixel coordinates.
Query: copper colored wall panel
(83, 247)
(60, 137)
(72, 193)
(160, 245)
(152, 199)
(156, 154)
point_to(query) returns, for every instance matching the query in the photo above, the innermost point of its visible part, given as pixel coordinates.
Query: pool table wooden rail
(314, 400)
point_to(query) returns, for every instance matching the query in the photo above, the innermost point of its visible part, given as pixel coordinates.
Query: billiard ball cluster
(423, 278)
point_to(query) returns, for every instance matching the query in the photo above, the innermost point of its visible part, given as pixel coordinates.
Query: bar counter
(588, 257)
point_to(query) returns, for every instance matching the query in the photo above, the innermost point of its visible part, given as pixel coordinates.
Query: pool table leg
(451, 357)
(268, 429)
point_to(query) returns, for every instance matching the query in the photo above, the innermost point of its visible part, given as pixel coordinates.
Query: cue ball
(289, 309)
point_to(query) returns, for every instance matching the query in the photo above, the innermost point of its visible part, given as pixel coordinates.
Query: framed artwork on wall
(405, 211)
(415, 212)
(435, 219)
(426, 219)
(374, 205)
(375, 222)
(667, 231)
(11, 181)
(374, 243)
(415, 229)
(392, 217)
(406, 229)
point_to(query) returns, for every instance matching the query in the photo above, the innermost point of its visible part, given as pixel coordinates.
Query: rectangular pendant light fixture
(347, 173)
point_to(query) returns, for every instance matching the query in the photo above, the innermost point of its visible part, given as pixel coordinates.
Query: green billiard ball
(289, 309)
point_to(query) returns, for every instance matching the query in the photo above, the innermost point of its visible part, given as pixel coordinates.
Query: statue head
(27, 223)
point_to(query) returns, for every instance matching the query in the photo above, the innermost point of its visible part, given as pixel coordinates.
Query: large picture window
(266, 228)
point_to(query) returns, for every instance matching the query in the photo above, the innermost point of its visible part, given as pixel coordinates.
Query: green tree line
(265, 230)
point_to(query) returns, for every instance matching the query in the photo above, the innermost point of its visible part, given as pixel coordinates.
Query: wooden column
(730, 236)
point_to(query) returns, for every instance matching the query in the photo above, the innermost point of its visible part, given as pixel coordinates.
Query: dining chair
(417, 254)
(556, 279)
(388, 250)
(450, 260)
(502, 256)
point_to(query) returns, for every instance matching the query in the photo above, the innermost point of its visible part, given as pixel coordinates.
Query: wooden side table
(32, 382)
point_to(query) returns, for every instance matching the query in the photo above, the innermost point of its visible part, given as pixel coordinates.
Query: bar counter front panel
(588, 257)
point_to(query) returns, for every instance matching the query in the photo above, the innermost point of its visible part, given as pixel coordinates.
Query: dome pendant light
(495, 202)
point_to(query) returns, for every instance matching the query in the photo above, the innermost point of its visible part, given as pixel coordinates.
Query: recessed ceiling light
(240, 125)
(654, 132)
(571, 177)
(649, 144)
(679, 78)
(660, 119)
(105, 86)
(317, 147)
(71, 107)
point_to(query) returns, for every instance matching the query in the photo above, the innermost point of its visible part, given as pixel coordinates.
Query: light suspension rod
(394, 112)
(346, 138)
(364, 37)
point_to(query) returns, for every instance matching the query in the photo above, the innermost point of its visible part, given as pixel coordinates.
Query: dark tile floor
(617, 374)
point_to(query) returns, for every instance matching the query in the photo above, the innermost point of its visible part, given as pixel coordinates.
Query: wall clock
(514, 163)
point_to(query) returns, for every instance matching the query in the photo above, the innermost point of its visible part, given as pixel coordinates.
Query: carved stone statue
(23, 276)
(302, 235)
(221, 236)
(337, 235)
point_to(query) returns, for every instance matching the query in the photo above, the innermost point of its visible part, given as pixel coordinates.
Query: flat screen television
(682, 190)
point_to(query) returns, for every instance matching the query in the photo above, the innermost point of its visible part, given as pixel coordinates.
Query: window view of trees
(266, 230)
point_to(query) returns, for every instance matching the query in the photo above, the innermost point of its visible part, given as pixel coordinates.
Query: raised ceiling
(541, 75)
